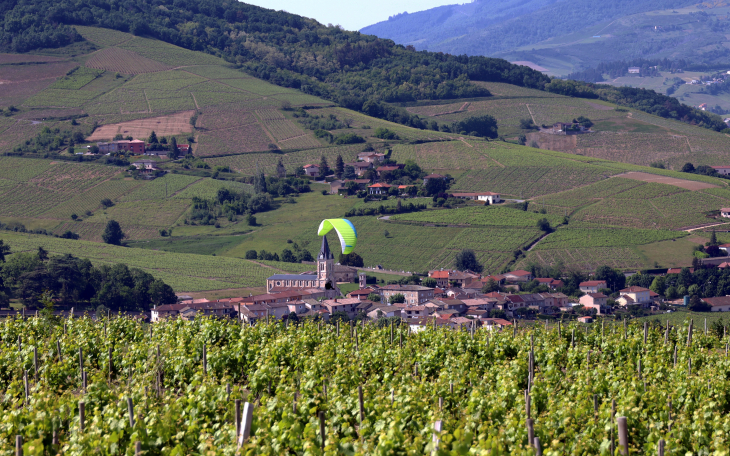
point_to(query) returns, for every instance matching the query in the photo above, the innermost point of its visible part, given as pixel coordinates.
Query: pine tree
(260, 184)
(324, 168)
(339, 167)
(173, 148)
(113, 233)
(713, 238)
(153, 138)
(280, 169)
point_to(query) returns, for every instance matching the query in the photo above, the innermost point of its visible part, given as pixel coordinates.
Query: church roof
(324, 251)
(293, 277)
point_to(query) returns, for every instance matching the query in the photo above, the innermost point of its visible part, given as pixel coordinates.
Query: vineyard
(266, 162)
(123, 61)
(80, 386)
(587, 259)
(584, 238)
(184, 272)
(479, 216)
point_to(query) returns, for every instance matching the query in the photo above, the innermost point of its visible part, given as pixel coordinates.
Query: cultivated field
(171, 125)
(689, 185)
(124, 61)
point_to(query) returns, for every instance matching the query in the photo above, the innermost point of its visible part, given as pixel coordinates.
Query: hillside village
(451, 298)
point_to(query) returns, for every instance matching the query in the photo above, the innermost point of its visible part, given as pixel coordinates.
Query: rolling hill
(238, 126)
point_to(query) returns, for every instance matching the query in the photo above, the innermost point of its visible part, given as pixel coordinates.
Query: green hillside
(239, 126)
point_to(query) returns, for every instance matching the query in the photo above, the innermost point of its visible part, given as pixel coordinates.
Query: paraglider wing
(345, 230)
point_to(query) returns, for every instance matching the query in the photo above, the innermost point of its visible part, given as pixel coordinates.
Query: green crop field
(479, 216)
(568, 237)
(184, 272)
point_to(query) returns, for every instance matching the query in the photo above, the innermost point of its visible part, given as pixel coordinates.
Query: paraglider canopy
(345, 230)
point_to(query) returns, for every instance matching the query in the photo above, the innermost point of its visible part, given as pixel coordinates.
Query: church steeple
(324, 251)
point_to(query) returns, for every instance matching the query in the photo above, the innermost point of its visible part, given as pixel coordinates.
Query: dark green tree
(339, 167)
(153, 138)
(4, 250)
(324, 168)
(113, 233)
(351, 259)
(467, 260)
(173, 154)
(397, 298)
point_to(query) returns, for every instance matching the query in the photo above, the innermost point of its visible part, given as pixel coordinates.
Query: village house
(592, 286)
(432, 176)
(361, 294)
(585, 319)
(719, 304)
(379, 189)
(414, 294)
(190, 309)
(725, 212)
(360, 167)
(146, 165)
(551, 283)
(444, 278)
(387, 168)
(370, 157)
(499, 279)
(724, 170)
(340, 186)
(518, 276)
(634, 70)
(347, 305)
(595, 301)
(635, 296)
(691, 270)
(419, 324)
(414, 311)
(493, 324)
(487, 197)
(311, 170)
(135, 146)
(378, 312)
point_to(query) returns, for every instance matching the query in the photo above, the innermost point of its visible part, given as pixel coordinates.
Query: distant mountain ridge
(487, 27)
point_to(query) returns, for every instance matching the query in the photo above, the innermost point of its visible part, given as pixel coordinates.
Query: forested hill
(486, 27)
(357, 71)
(354, 70)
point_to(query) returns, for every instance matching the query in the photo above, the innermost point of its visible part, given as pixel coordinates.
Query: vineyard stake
(437, 426)
(666, 334)
(54, 439)
(638, 367)
(111, 364)
(626, 329)
(64, 328)
(81, 360)
(294, 405)
(623, 436)
(138, 448)
(238, 414)
(228, 392)
(451, 388)
(391, 333)
(20, 345)
(689, 333)
(527, 403)
(362, 407)
(595, 403)
(392, 397)
(322, 428)
(18, 445)
(514, 327)
(669, 416)
(83, 381)
(130, 410)
(572, 338)
(646, 331)
(25, 381)
(400, 337)
(441, 403)
(705, 326)
(689, 365)
(675, 355)
(205, 359)
(357, 343)
(560, 331)
(35, 362)
(58, 349)
(530, 431)
(660, 447)
(538, 447)
(82, 415)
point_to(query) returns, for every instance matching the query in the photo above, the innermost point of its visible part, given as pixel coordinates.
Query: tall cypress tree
(339, 167)
(324, 168)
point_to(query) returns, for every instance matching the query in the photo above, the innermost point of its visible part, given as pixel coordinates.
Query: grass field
(184, 272)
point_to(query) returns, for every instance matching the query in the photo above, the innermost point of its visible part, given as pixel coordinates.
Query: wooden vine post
(623, 435)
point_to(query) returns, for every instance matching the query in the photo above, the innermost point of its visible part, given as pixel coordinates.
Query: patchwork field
(162, 126)
(124, 61)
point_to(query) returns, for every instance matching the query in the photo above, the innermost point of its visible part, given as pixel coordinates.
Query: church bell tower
(325, 266)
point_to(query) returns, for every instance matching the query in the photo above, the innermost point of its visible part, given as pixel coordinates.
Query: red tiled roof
(519, 273)
(725, 209)
(592, 283)
(719, 301)
(387, 168)
(380, 185)
(634, 289)
(310, 166)
(691, 270)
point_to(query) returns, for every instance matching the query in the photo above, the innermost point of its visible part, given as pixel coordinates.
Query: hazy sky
(350, 14)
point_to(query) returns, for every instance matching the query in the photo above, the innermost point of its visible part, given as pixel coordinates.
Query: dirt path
(531, 114)
(464, 141)
(195, 101)
(149, 107)
(703, 227)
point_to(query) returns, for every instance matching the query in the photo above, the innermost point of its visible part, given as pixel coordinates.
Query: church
(324, 281)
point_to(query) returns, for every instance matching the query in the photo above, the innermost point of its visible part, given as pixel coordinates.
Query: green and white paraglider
(345, 230)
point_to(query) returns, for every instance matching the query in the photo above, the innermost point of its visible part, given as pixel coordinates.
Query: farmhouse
(595, 301)
(347, 305)
(725, 212)
(720, 304)
(340, 186)
(360, 167)
(458, 278)
(518, 276)
(724, 170)
(592, 286)
(386, 169)
(551, 283)
(379, 189)
(134, 146)
(634, 70)
(432, 176)
(635, 296)
(370, 157)
(311, 170)
(414, 294)
(489, 197)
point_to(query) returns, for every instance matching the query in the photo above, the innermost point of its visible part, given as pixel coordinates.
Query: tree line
(40, 280)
